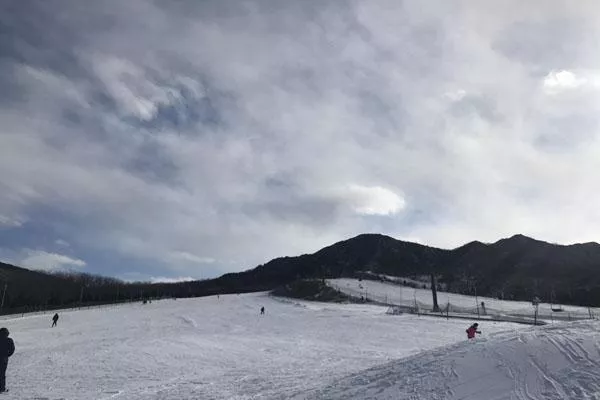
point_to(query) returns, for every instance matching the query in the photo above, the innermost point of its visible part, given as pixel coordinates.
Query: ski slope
(390, 293)
(214, 348)
(551, 362)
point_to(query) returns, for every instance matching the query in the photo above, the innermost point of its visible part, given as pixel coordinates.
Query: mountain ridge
(518, 267)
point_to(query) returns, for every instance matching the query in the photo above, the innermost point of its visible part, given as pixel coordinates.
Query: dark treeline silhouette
(517, 268)
(23, 290)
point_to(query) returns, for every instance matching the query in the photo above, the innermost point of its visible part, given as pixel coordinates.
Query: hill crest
(518, 267)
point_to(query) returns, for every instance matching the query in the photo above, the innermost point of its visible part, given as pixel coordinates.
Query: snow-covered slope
(213, 348)
(395, 294)
(552, 362)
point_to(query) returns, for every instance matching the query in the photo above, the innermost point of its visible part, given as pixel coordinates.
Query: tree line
(23, 290)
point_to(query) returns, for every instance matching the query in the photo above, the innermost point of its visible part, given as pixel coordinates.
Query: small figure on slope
(262, 311)
(7, 349)
(472, 331)
(54, 320)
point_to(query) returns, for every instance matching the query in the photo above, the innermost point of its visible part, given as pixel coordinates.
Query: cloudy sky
(168, 139)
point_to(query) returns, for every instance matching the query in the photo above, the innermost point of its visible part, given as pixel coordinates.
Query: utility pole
(400, 302)
(473, 287)
(477, 302)
(436, 307)
(3, 295)
(415, 300)
(536, 304)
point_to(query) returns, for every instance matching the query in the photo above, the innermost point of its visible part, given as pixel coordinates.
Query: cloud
(557, 81)
(133, 89)
(374, 200)
(162, 279)
(62, 243)
(184, 256)
(562, 80)
(10, 222)
(42, 260)
(456, 95)
(195, 133)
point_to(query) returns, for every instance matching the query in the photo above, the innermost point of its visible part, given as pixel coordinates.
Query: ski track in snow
(209, 348)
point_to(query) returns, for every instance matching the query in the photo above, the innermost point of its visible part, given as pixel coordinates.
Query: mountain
(377, 253)
(517, 268)
(521, 267)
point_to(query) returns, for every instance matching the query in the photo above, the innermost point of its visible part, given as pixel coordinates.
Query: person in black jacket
(7, 349)
(54, 320)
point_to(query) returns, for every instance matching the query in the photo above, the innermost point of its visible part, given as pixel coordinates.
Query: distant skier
(472, 331)
(7, 349)
(262, 311)
(54, 320)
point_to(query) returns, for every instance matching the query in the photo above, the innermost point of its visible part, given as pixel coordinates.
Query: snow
(423, 281)
(552, 362)
(390, 293)
(221, 348)
(218, 348)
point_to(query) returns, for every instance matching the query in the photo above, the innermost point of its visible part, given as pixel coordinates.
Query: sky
(168, 140)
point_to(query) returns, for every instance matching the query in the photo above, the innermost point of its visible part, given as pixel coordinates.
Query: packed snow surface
(390, 293)
(551, 362)
(221, 348)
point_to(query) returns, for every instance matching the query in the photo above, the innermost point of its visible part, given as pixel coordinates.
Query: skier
(54, 320)
(262, 311)
(7, 348)
(472, 331)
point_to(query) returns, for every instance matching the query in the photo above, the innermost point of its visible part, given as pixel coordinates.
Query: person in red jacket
(472, 331)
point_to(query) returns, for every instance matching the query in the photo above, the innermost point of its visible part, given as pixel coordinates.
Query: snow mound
(553, 362)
